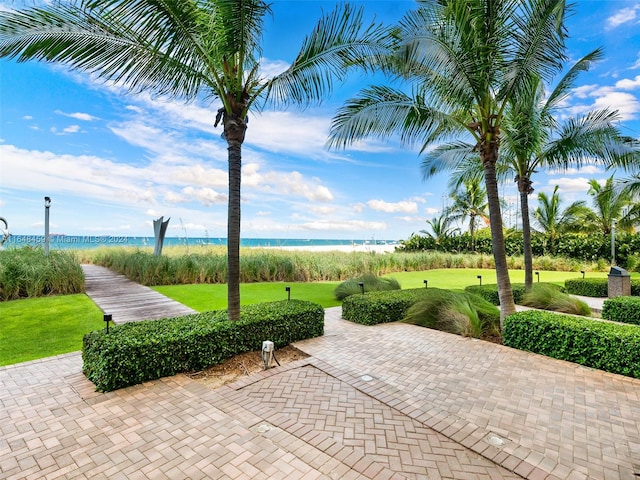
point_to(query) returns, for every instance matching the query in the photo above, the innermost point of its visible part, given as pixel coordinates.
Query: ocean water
(66, 242)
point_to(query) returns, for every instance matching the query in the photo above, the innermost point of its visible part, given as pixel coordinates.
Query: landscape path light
(47, 204)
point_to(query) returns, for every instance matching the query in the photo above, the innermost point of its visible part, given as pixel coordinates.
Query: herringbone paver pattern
(386, 402)
(381, 435)
(572, 421)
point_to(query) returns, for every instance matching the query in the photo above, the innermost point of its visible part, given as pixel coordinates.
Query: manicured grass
(458, 279)
(41, 327)
(203, 297)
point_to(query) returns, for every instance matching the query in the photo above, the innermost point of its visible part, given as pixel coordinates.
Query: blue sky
(112, 162)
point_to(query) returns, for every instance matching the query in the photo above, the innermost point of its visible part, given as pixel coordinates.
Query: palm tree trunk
(472, 232)
(524, 187)
(489, 156)
(234, 129)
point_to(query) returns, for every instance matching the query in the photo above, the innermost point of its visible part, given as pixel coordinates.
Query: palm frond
(566, 83)
(143, 44)
(384, 112)
(338, 42)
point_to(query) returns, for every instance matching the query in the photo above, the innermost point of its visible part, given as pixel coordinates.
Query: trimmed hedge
(595, 287)
(136, 352)
(622, 309)
(490, 292)
(380, 307)
(606, 346)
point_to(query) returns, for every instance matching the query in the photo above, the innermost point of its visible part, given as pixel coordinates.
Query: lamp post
(361, 285)
(613, 243)
(47, 204)
(288, 290)
(480, 278)
(538, 275)
(426, 283)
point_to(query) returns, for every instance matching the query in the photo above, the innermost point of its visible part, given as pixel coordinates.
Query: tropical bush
(547, 296)
(606, 346)
(455, 312)
(622, 309)
(370, 283)
(578, 248)
(596, 287)
(587, 287)
(27, 272)
(136, 352)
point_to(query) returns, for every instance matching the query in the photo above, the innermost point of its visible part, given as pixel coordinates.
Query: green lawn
(214, 296)
(452, 279)
(42, 327)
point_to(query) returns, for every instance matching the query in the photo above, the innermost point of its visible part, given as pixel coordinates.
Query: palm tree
(553, 221)
(532, 138)
(611, 204)
(193, 49)
(441, 229)
(470, 201)
(468, 60)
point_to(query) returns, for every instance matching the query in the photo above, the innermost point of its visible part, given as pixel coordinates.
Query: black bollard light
(480, 278)
(538, 275)
(288, 290)
(361, 285)
(107, 318)
(582, 272)
(426, 282)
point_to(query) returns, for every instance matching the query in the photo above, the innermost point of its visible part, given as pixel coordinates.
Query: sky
(113, 162)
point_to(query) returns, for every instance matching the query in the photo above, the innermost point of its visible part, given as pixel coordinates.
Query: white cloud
(398, 207)
(567, 184)
(72, 129)
(627, 84)
(288, 183)
(431, 211)
(622, 16)
(627, 105)
(85, 117)
(27, 117)
(585, 170)
(206, 196)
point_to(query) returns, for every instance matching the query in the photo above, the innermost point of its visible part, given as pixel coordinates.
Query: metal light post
(47, 204)
(613, 243)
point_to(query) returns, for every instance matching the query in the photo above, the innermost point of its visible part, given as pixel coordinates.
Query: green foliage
(622, 309)
(587, 287)
(595, 287)
(32, 328)
(140, 351)
(547, 296)
(380, 307)
(581, 248)
(370, 282)
(27, 272)
(490, 292)
(455, 312)
(606, 346)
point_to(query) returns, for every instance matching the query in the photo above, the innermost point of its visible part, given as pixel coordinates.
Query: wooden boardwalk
(128, 301)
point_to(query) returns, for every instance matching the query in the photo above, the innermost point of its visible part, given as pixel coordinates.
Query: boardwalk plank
(128, 301)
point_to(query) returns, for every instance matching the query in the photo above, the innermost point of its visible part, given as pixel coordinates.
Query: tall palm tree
(467, 60)
(532, 138)
(193, 49)
(554, 221)
(470, 201)
(611, 205)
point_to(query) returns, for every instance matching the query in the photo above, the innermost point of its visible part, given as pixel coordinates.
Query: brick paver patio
(390, 401)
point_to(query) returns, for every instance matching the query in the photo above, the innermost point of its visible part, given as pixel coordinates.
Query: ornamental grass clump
(546, 296)
(455, 312)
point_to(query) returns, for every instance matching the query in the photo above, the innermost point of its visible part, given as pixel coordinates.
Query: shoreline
(335, 248)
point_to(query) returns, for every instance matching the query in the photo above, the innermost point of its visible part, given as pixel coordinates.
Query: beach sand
(339, 248)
